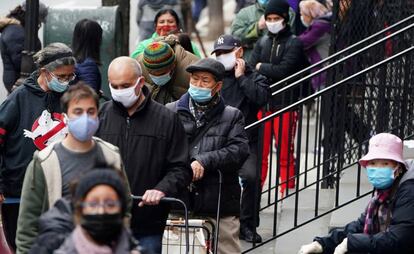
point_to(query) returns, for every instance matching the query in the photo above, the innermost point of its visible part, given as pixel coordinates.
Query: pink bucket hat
(384, 146)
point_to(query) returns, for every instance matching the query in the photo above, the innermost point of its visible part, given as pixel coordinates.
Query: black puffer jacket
(247, 93)
(281, 55)
(154, 149)
(11, 46)
(54, 226)
(224, 146)
(398, 238)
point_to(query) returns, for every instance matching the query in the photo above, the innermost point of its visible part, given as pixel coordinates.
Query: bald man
(153, 147)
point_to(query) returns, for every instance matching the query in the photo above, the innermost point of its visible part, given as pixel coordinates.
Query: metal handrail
(327, 89)
(342, 60)
(342, 51)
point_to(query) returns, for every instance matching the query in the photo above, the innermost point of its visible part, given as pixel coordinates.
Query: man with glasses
(30, 119)
(51, 171)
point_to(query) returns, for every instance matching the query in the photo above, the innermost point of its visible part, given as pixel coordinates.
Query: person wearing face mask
(249, 25)
(247, 90)
(387, 224)
(30, 119)
(166, 22)
(316, 39)
(163, 67)
(99, 210)
(278, 55)
(49, 174)
(153, 146)
(217, 142)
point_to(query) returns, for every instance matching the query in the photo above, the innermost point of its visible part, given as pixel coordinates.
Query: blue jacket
(88, 72)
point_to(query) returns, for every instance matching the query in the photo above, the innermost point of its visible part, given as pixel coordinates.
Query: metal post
(30, 38)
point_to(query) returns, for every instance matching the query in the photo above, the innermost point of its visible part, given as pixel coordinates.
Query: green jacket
(143, 44)
(180, 80)
(42, 187)
(245, 27)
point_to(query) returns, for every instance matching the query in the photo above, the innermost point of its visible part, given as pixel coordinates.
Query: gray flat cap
(209, 65)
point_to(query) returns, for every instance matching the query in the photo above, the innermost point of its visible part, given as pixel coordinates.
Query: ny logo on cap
(220, 40)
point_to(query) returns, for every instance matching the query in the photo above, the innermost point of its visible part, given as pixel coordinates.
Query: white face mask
(228, 60)
(126, 96)
(275, 27)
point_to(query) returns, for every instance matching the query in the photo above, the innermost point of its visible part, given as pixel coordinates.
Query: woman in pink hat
(387, 224)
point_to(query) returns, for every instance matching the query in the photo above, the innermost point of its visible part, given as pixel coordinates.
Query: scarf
(84, 245)
(199, 110)
(376, 218)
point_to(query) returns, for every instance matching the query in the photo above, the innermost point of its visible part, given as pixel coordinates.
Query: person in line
(316, 38)
(51, 171)
(278, 55)
(153, 147)
(387, 224)
(249, 25)
(100, 202)
(163, 68)
(247, 90)
(31, 119)
(166, 22)
(218, 142)
(12, 42)
(148, 9)
(86, 45)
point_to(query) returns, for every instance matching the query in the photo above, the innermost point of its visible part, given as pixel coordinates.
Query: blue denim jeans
(151, 244)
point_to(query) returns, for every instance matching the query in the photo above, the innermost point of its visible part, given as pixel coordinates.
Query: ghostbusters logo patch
(48, 128)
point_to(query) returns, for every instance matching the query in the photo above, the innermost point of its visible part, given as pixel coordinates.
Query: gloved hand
(313, 247)
(342, 248)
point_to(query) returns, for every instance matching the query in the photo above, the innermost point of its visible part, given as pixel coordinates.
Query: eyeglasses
(109, 206)
(63, 77)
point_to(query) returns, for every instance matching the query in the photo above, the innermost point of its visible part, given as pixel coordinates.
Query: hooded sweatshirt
(30, 119)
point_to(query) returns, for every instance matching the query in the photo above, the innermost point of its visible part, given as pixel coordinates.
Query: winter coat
(280, 55)
(30, 119)
(88, 71)
(248, 93)
(155, 154)
(245, 26)
(146, 12)
(224, 146)
(180, 81)
(316, 42)
(54, 227)
(11, 46)
(143, 44)
(397, 239)
(42, 187)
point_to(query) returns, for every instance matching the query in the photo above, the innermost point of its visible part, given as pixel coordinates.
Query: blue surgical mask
(200, 94)
(161, 80)
(57, 86)
(380, 178)
(83, 127)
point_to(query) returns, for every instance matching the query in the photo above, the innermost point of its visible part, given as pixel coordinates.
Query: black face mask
(103, 228)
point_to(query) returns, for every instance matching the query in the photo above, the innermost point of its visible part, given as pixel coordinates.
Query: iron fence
(369, 90)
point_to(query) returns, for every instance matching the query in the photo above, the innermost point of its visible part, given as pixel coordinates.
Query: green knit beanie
(158, 56)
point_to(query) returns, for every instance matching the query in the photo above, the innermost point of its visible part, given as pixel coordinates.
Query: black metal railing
(305, 170)
(329, 118)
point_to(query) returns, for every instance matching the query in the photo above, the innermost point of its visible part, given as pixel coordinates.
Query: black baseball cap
(226, 42)
(209, 65)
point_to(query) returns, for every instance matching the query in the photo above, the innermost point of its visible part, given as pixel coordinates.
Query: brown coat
(179, 83)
